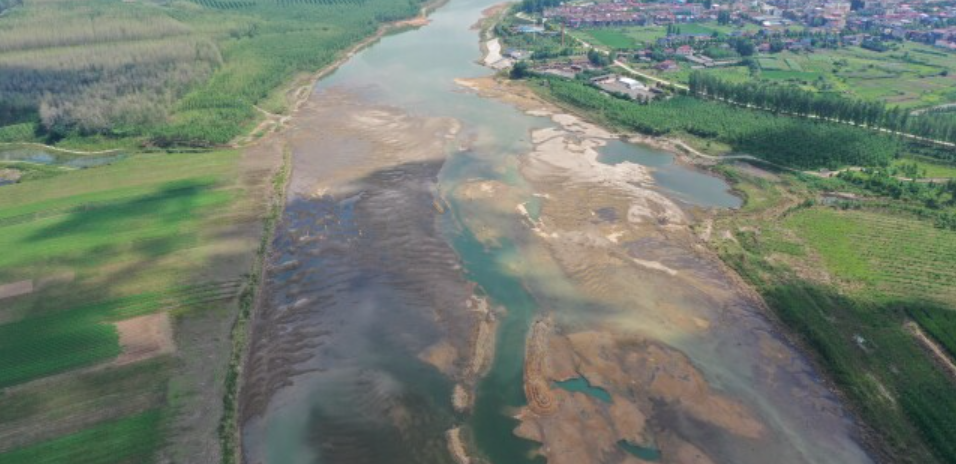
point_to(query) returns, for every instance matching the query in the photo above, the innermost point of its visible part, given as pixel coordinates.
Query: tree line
(795, 142)
(796, 101)
(537, 6)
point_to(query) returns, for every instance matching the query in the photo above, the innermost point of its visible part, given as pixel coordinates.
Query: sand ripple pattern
(361, 283)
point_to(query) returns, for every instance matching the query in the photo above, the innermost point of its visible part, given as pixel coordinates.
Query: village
(883, 49)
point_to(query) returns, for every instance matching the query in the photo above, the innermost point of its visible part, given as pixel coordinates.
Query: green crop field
(894, 256)
(848, 282)
(611, 38)
(103, 245)
(133, 439)
(790, 75)
(912, 76)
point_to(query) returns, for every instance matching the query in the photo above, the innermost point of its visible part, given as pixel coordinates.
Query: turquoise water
(581, 384)
(502, 390)
(680, 182)
(645, 453)
(415, 71)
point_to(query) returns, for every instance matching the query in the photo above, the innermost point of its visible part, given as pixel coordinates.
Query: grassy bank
(229, 425)
(782, 140)
(846, 281)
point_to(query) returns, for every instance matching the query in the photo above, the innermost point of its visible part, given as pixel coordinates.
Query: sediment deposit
(694, 368)
(361, 275)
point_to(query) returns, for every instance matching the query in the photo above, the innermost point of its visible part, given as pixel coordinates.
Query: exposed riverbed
(464, 273)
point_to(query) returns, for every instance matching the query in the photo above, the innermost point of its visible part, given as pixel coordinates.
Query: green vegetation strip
(229, 424)
(893, 268)
(779, 139)
(940, 324)
(133, 439)
(39, 347)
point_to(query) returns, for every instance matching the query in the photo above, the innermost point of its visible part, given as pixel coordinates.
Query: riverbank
(782, 263)
(300, 90)
(647, 238)
(360, 208)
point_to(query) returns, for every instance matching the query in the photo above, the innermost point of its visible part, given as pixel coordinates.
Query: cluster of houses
(926, 21)
(625, 13)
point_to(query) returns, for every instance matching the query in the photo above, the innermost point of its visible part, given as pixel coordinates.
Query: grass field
(636, 36)
(929, 167)
(611, 38)
(147, 234)
(847, 282)
(909, 77)
(132, 439)
(893, 256)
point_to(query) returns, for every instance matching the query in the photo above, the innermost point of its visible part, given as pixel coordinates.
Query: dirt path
(932, 347)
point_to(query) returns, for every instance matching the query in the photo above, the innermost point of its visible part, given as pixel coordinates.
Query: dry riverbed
(694, 369)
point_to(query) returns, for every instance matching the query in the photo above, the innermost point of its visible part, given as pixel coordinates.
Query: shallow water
(678, 181)
(643, 452)
(369, 275)
(41, 156)
(581, 385)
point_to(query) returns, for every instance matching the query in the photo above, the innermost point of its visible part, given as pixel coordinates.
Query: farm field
(101, 271)
(848, 281)
(928, 167)
(910, 77)
(618, 37)
(892, 256)
(914, 76)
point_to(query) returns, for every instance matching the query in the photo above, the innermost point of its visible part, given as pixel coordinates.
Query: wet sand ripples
(361, 284)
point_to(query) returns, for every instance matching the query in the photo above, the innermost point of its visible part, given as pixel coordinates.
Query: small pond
(39, 155)
(686, 184)
(581, 385)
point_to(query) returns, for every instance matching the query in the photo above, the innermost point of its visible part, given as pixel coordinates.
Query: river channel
(464, 278)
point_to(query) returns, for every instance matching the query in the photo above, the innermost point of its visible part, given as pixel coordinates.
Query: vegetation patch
(175, 73)
(133, 439)
(847, 282)
(895, 256)
(779, 139)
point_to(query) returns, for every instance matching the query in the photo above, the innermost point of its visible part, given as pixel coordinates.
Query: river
(447, 254)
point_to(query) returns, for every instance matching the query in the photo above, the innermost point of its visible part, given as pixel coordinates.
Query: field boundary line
(932, 347)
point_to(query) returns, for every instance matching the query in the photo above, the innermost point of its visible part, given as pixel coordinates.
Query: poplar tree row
(796, 101)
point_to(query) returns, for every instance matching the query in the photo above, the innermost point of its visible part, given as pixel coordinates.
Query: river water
(369, 314)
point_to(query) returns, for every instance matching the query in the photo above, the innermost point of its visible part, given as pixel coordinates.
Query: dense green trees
(177, 73)
(879, 181)
(598, 59)
(784, 140)
(723, 17)
(537, 6)
(796, 101)
(520, 70)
